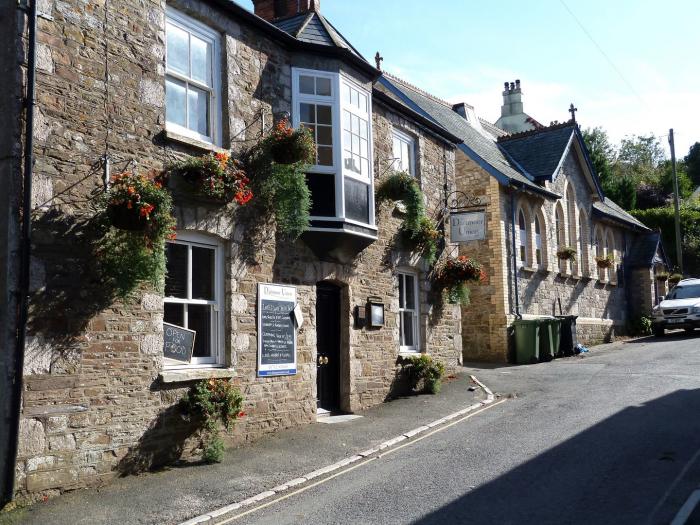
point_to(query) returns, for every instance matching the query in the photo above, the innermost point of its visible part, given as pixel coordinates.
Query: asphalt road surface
(607, 438)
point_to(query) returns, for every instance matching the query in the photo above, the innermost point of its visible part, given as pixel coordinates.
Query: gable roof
(646, 251)
(539, 152)
(610, 210)
(481, 147)
(313, 28)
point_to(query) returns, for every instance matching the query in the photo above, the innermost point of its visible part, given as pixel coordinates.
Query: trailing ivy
(418, 230)
(281, 187)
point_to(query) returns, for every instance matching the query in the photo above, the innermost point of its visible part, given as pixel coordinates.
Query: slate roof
(539, 152)
(609, 209)
(483, 149)
(643, 253)
(313, 28)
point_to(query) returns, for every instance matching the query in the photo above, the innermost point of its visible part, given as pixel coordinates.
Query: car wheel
(659, 331)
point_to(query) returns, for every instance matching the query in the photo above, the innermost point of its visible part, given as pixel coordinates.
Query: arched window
(600, 251)
(522, 239)
(573, 223)
(583, 240)
(538, 242)
(560, 226)
(611, 252)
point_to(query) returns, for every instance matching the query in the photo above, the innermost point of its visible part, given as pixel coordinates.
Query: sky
(629, 66)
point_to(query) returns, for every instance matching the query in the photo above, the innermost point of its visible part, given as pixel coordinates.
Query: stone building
(130, 85)
(539, 193)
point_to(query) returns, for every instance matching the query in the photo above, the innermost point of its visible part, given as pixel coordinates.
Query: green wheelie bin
(527, 340)
(550, 335)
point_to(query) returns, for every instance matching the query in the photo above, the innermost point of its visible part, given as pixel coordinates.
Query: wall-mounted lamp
(375, 309)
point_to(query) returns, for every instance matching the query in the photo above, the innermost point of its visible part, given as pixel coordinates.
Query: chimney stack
(271, 10)
(512, 99)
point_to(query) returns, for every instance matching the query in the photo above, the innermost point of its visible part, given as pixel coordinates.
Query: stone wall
(95, 405)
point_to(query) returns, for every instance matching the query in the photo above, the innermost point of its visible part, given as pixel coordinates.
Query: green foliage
(566, 253)
(280, 187)
(692, 162)
(424, 374)
(663, 219)
(135, 219)
(675, 278)
(640, 326)
(602, 154)
(214, 401)
(451, 276)
(605, 261)
(459, 294)
(418, 229)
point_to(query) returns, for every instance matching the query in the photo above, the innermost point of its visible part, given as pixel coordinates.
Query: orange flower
(131, 190)
(129, 204)
(146, 210)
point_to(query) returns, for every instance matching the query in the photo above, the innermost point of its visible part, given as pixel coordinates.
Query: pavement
(175, 495)
(612, 436)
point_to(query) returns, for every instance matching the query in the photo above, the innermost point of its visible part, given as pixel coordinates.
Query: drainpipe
(515, 254)
(25, 250)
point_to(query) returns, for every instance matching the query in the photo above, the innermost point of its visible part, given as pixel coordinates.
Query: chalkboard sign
(178, 342)
(277, 332)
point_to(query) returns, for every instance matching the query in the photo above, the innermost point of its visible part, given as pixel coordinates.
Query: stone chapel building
(129, 86)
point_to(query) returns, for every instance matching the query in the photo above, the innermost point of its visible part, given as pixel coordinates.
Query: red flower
(242, 414)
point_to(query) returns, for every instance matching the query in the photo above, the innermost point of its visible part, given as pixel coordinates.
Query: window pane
(364, 168)
(323, 87)
(364, 148)
(307, 113)
(324, 114)
(174, 314)
(176, 102)
(363, 102)
(306, 85)
(325, 135)
(355, 98)
(325, 156)
(202, 273)
(199, 319)
(177, 55)
(402, 285)
(356, 200)
(176, 267)
(411, 292)
(408, 328)
(322, 188)
(346, 121)
(201, 60)
(355, 144)
(346, 94)
(198, 110)
(363, 129)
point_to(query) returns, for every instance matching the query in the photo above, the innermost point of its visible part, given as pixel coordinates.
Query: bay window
(192, 72)
(338, 113)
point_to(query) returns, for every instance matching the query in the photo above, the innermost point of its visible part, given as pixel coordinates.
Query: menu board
(277, 331)
(178, 342)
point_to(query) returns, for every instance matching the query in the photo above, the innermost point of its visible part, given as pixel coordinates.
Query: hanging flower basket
(675, 278)
(289, 146)
(662, 276)
(215, 177)
(453, 274)
(606, 261)
(566, 253)
(134, 201)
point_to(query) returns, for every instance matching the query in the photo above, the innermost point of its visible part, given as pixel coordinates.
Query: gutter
(515, 255)
(25, 251)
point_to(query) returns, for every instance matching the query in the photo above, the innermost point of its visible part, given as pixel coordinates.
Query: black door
(328, 345)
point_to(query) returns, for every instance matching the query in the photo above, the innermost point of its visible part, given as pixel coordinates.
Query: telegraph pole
(676, 201)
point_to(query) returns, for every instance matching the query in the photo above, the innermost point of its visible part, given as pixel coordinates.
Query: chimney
(273, 9)
(512, 99)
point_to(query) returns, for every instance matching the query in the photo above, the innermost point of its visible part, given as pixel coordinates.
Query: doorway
(328, 346)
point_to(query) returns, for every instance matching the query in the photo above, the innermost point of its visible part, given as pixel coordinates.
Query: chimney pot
(512, 86)
(517, 84)
(505, 86)
(273, 9)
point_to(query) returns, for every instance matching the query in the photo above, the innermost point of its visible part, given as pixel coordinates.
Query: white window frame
(538, 242)
(405, 138)
(522, 239)
(401, 280)
(337, 169)
(217, 358)
(206, 33)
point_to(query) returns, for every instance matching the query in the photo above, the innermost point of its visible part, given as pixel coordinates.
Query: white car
(679, 309)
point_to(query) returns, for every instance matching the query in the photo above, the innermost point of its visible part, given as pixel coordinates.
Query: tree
(692, 163)
(602, 154)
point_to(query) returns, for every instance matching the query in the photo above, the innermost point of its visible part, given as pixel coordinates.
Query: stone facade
(97, 401)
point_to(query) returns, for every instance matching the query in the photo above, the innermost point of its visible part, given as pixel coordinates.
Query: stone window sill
(528, 269)
(544, 271)
(195, 374)
(191, 142)
(603, 281)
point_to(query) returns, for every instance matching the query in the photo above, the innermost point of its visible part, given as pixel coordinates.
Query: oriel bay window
(194, 294)
(338, 112)
(192, 72)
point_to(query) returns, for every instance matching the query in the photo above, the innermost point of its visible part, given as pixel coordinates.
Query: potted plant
(605, 261)
(453, 274)
(138, 202)
(289, 145)
(424, 374)
(216, 177)
(566, 253)
(662, 276)
(212, 403)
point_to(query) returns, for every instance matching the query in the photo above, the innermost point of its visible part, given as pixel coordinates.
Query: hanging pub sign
(467, 226)
(178, 342)
(277, 330)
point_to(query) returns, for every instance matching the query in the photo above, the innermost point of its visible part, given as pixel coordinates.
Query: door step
(331, 419)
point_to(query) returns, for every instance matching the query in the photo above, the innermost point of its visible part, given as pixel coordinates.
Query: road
(607, 438)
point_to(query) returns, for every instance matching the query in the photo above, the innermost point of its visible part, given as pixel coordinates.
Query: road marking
(363, 463)
(687, 509)
(672, 486)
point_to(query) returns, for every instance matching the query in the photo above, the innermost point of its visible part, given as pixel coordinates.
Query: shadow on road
(614, 472)
(676, 335)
